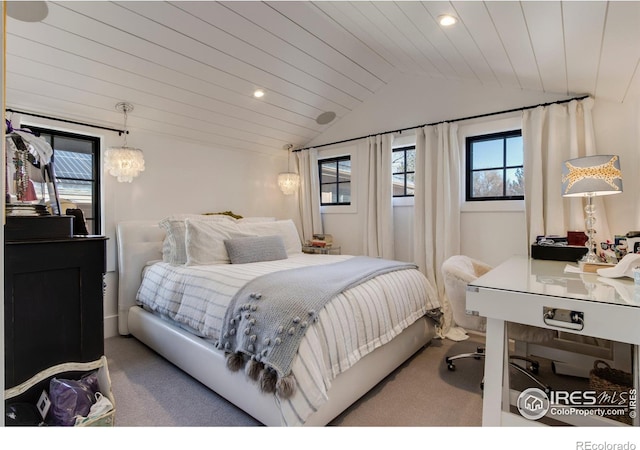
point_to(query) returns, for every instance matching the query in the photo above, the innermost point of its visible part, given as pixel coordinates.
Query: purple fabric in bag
(71, 398)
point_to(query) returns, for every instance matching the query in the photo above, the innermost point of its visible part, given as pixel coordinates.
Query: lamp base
(590, 258)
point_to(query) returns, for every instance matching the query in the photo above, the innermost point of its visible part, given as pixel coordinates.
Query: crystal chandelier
(288, 181)
(124, 162)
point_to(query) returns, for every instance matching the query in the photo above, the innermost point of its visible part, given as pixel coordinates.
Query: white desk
(518, 291)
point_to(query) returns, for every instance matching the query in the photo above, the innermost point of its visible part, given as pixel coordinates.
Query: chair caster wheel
(451, 367)
(534, 368)
(482, 385)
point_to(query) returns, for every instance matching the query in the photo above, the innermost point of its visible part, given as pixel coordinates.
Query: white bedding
(352, 325)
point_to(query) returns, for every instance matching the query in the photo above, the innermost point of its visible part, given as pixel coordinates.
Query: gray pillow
(255, 249)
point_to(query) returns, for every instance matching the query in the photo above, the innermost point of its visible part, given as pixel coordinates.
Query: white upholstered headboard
(138, 243)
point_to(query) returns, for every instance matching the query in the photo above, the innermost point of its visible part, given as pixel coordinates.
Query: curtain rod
(66, 120)
(445, 121)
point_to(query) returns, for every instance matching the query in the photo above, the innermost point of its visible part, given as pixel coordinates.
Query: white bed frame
(141, 241)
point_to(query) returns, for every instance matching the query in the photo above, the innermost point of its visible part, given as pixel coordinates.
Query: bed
(328, 377)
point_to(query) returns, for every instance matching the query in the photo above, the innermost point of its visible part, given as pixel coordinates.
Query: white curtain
(437, 203)
(378, 227)
(310, 216)
(551, 135)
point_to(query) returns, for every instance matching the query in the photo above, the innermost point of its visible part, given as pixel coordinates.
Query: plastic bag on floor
(71, 398)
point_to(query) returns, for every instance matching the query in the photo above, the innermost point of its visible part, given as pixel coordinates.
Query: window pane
(73, 165)
(344, 193)
(397, 161)
(487, 183)
(328, 172)
(515, 153)
(398, 185)
(344, 170)
(328, 193)
(411, 160)
(515, 181)
(411, 183)
(488, 154)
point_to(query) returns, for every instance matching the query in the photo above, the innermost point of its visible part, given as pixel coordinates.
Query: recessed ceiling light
(258, 93)
(446, 20)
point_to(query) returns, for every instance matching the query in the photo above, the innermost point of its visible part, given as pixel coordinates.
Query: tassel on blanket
(286, 387)
(253, 368)
(268, 379)
(235, 361)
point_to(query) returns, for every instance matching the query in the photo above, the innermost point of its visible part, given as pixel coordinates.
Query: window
(335, 180)
(76, 164)
(403, 168)
(495, 167)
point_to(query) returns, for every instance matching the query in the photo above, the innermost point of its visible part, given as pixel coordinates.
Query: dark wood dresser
(53, 303)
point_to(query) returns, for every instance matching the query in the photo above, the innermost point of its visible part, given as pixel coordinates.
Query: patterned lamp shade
(591, 176)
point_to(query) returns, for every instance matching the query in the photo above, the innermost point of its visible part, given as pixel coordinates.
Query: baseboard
(111, 326)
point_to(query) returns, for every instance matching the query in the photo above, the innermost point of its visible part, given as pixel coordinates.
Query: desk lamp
(588, 177)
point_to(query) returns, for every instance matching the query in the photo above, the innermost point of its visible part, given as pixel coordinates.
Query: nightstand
(333, 250)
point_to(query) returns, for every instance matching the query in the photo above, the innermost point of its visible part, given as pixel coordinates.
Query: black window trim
(96, 172)
(403, 149)
(469, 170)
(336, 160)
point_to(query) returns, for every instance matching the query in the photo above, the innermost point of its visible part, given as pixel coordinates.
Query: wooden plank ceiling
(190, 68)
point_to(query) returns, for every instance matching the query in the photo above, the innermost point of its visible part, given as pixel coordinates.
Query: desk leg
(495, 367)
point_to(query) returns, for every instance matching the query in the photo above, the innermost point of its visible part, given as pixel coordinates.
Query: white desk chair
(458, 272)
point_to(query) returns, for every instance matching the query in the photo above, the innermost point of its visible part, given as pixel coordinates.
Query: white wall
(181, 177)
(493, 231)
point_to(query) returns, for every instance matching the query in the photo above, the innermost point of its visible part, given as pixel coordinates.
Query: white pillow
(173, 247)
(204, 241)
(257, 219)
(285, 228)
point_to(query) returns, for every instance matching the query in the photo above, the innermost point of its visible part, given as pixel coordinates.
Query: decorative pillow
(284, 228)
(204, 241)
(255, 249)
(173, 247)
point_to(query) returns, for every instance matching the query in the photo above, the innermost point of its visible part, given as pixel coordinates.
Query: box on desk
(571, 253)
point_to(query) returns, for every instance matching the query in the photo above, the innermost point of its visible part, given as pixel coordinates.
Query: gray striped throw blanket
(267, 318)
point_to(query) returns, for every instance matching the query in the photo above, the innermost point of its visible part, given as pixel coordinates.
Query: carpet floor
(150, 391)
